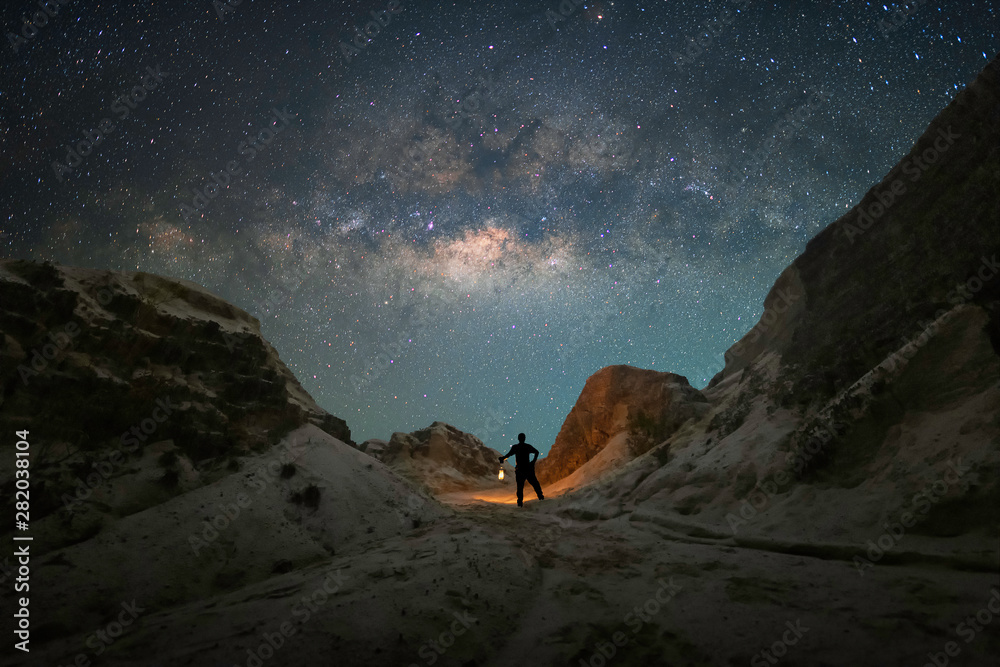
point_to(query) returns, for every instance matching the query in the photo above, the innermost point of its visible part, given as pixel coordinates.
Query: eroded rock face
(871, 376)
(609, 399)
(174, 456)
(109, 364)
(902, 257)
(373, 447)
(440, 456)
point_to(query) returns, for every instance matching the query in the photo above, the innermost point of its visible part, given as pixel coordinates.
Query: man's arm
(507, 455)
(534, 452)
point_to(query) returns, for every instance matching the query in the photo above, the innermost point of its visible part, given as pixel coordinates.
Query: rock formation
(441, 457)
(615, 401)
(173, 455)
(873, 374)
(866, 283)
(103, 362)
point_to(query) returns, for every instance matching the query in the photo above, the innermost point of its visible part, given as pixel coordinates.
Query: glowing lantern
(500, 476)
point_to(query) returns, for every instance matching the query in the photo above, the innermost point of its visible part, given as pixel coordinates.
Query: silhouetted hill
(97, 362)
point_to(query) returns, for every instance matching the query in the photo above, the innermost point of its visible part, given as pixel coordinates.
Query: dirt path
(669, 598)
(493, 585)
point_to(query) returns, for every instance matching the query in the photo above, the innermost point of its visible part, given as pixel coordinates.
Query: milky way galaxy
(461, 211)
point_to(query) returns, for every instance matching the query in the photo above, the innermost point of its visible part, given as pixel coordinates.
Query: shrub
(170, 478)
(729, 420)
(309, 497)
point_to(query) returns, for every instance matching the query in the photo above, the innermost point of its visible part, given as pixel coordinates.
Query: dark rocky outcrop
(870, 279)
(97, 361)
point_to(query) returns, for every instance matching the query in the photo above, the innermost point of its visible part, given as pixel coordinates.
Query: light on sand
(500, 476)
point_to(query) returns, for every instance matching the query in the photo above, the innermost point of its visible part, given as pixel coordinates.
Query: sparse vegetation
(644, 432)
(730, 419)
(308, 496)
(661, 453)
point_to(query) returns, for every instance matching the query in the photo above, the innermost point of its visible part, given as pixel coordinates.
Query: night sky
(481, 205)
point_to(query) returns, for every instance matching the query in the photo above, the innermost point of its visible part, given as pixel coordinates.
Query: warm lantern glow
(500, 476)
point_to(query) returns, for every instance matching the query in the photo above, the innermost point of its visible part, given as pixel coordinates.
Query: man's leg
(520, 489)
(535, 485)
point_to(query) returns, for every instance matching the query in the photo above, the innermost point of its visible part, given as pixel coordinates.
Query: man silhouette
(524, 467)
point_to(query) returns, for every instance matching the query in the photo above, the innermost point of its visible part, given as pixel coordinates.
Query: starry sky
(460, 211)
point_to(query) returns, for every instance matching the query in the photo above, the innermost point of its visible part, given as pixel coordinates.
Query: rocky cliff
(619, 401)
(440, 457)
(173, 455)
(920, 242)
(872, 378)
(102, 362)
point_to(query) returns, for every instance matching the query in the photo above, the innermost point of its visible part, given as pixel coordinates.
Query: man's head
(520, 437)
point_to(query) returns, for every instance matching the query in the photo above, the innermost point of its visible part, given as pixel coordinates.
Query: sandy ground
(488, 583)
